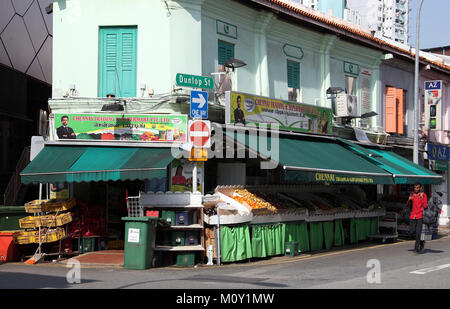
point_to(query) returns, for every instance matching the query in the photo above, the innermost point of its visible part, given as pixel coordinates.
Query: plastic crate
(291, 248)
(178, 238)
(8, 249)
(59, 205)
(25, 237)
(49, 205)
(31, 222)
(182, 218)
(52, 235)
(115, 244)
(88, 244)
(35, 206)
(185, 259)
(152, 213)
(168, 216)
(191, 238)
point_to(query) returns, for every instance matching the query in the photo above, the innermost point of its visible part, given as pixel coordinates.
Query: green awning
(79, 164)
(317, 161)
(403, 170)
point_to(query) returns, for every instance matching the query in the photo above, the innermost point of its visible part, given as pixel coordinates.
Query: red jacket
(419, 203)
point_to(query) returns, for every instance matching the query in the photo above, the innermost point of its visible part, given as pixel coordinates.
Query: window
(293, 79)
(394, 110)
(226, 51)
(117, 61)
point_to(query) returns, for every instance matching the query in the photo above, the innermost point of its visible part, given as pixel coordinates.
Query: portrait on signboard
(238, 112)
(64, 131)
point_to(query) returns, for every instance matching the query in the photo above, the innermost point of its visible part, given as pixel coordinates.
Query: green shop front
(112, 158)
(322, 192)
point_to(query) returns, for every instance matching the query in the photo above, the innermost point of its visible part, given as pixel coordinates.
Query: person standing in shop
(418, 199)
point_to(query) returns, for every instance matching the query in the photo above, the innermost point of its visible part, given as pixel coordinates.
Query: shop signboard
(438, 152)
(250, 109)
(433, 105)
(122, 127)
(181, 172)
(293, 176)
(440, 165)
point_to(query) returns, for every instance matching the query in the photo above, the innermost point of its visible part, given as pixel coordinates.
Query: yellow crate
(35, 206)
(58, 220)
(59, 205)
(115, 244)
(25, 237)
(45, 221)
(52, 235)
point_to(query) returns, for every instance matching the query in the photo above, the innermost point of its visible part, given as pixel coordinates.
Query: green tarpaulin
(316, 236)
(77, 164)
(268, 240)
(328, 234)
(235, 244)
(361, 228)
(298, 232)
(339, 235)
(315, 160)
(403, 170)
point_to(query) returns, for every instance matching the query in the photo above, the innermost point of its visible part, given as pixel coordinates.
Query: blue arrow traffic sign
(199, 104)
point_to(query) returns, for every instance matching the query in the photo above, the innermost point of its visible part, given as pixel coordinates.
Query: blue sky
(434, 23)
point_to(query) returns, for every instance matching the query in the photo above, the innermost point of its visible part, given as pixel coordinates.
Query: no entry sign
(200, 133)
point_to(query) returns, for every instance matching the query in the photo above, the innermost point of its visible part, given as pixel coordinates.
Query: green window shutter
(117, 61)
(293, 74)
(226, 51)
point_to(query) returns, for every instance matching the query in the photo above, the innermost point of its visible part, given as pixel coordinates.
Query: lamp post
(416, 90)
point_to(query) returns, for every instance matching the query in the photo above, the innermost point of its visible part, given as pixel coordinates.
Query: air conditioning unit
(346, 105)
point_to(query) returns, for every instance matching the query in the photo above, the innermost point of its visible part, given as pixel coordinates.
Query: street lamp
(416, 90)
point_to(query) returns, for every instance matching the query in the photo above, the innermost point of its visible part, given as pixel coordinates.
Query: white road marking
(429, 269)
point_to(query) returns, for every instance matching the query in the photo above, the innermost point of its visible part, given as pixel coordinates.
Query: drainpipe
(328, 42)
(261, 25)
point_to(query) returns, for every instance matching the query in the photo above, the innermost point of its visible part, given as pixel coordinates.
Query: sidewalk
(110, 258)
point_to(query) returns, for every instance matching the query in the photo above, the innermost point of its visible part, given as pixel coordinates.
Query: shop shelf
(179, 248)
(185, 259)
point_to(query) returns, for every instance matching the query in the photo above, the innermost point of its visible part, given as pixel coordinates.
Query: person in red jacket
(419, 203)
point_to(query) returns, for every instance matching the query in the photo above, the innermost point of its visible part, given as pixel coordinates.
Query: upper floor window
(117, 61)
(293, 79)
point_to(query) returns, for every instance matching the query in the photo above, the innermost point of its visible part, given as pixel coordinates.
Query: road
(398, 267)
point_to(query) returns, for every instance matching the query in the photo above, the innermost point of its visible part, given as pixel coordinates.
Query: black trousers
(415, 230)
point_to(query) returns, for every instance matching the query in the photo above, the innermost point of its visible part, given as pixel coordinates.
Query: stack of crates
(51, 225)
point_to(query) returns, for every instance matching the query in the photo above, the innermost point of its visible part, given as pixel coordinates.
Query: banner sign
(245, 108)
(181, 172)
(292, 176)
(433, 105)
(137, 128)
(438, 152)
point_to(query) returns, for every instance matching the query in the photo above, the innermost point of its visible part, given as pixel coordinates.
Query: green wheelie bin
(139, 246)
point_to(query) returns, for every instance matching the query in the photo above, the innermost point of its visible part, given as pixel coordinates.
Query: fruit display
(252, 200)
